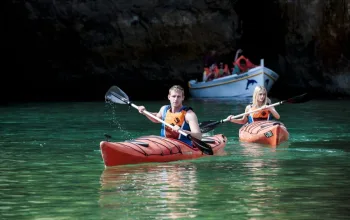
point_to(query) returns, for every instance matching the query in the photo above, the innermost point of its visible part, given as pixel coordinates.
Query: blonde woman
(260, 99)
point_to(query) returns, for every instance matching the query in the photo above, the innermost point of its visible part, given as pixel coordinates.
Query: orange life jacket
(259, 116)
(175, 118)
(249, 64)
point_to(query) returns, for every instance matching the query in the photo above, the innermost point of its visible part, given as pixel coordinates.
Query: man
(181, 117)
(240, 67)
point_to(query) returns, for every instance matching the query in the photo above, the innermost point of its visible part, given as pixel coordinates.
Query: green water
(51, 166)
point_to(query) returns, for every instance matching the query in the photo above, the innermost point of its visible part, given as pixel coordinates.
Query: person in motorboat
(235, 69)
(260, 100)
(241, 64)
(240, 67)
(210, 73)
(178, 115)
(206, 74)
(223, 70)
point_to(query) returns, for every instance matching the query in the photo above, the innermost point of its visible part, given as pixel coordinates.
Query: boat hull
(153, 149)
(241, 85)
(264, 132)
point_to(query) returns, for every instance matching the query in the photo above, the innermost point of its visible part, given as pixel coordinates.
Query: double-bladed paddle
(116, 95)
(207, 126)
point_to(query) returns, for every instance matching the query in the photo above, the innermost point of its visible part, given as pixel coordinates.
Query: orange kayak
(264, 132)
(150, 149)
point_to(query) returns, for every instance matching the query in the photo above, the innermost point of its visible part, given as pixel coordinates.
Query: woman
(260, 99)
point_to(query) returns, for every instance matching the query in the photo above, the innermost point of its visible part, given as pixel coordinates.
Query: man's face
(176, 98)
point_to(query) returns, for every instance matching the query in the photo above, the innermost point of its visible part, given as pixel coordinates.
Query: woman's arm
(275, 114)
(243, 120)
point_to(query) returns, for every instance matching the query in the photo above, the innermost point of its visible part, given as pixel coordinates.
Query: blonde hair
(257, 90)
(177, 88)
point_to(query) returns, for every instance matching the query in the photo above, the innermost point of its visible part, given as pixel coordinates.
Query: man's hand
(176, 128)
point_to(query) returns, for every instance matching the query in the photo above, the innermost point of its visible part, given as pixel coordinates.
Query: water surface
(51, 166)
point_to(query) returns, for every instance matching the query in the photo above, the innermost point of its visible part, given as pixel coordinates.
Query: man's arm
(239, 51)
(157, 114)
(192, 120)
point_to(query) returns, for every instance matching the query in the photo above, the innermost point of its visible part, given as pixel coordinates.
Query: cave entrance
(262, 28)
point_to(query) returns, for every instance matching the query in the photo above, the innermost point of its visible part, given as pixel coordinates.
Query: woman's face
(261, 96)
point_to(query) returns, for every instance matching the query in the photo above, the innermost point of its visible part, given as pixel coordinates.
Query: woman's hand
(229, 117)
(141, 109)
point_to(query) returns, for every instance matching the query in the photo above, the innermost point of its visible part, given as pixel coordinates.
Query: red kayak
(264, 132)
(149, 149)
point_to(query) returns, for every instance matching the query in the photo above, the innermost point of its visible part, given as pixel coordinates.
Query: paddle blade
(300, 98)
(116, 95)
(207, 126)
(204, 147)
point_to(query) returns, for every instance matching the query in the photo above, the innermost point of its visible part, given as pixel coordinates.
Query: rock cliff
(76, 49)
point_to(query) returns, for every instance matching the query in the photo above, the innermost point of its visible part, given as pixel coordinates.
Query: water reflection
(255, 149)
(157, 190)
(261, 171)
